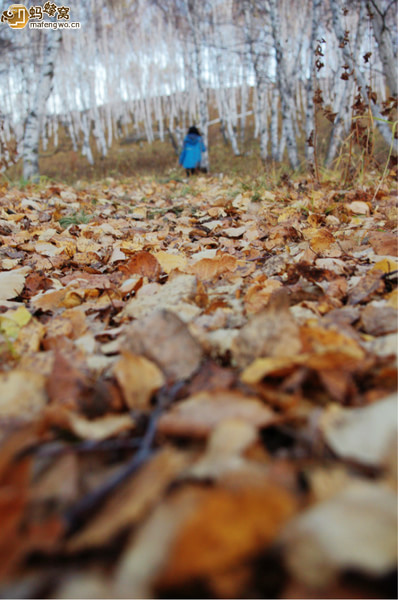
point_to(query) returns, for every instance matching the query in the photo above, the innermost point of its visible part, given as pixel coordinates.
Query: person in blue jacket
(192, 149)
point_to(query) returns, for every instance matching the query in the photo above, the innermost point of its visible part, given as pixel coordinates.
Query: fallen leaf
(138, 378)
(354, 530)
(142, 263)
(272, 332)
(226, 527)
(169, 261)
(131, 501)
(369, 285)
(210, 268)
(379, 320)
(177, 295)
(22, 396)
(358, 208)
(361, 434)
(164, 339)
(200, 414)
(384, 243)
(12, 283)
(321, 241)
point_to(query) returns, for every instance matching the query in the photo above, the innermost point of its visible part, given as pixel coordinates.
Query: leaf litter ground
(198, 390)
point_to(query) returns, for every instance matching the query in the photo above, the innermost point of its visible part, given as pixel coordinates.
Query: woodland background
(275, 81)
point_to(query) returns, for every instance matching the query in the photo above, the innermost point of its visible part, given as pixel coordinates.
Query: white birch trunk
(383, 37)
(379, 120)
(310, 114)
(34, 121)
(285, 91)
(274, 124)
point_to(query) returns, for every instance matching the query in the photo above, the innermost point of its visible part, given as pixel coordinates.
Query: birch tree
(285, 89)
(310, 87)
(379, 14)
(359, 76)
(36, 114)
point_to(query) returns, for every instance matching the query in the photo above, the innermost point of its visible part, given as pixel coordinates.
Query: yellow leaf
(261, 367)
(138, 378)
(12, 321)
(169, 261)
(386, 265)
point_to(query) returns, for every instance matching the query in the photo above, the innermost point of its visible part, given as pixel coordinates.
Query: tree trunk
(310, 115)
(285, 91)
(361, 81)
(384, 41)
(34, 121)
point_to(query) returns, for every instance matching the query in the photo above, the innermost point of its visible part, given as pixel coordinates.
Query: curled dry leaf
(22, 396)
(228, 525)
(224, 450)
(138, 379)
(142, 263)
(354, 530)
(379, 320)
(368, 286)
(169, 261)
(321, 241)
(361, 434)
(131, 501)
(97, 429)
(12, 282)
(384, 243)
(272, 332)
(201, 413)
(358, 208)
(177, 295)
(164, 339)
(210, 268)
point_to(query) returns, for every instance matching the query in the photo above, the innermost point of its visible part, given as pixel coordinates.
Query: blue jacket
(192, 149)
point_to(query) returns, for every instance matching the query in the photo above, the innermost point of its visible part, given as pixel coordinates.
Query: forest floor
(198, 389)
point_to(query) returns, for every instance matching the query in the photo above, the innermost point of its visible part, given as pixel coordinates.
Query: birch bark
(285, 91)
(340, 34)
(343, 108)
(36, 114)
(310, 113)
(383, 37)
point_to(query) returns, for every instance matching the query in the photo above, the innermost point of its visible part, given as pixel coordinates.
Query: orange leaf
(142, 263)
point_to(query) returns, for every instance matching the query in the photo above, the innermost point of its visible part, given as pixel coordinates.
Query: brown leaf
(361, 434)
(138, 378)
(12, 283)
(209, 268)
(227, 527)
(142, 263)
(384, 243)
(354, 530)
(164, 339)
(97, 429)
(201, 413)
(369, 285)
(321, 241)
(358, 208)
(67, 385)
(131, 501)
(272, 332)
(257, 296)
(379, 320)
(22, 396)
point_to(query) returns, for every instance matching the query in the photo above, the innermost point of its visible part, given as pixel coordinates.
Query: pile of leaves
(197, 390)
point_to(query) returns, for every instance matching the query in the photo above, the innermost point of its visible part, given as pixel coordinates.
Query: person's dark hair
(193, 129)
